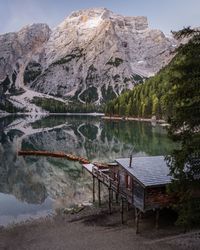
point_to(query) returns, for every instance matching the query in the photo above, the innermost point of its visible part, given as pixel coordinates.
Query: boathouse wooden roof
(148, 171)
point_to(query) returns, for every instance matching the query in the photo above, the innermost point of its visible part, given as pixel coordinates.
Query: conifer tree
(184, 122)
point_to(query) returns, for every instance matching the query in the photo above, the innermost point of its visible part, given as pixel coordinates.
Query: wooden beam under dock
(137, 219)
(99, 192)
(93, 188)
(157, 218)
(122, 210)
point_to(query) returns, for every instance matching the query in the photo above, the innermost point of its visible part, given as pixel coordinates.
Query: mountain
(155, 97)
(17, 50)
(91, 57)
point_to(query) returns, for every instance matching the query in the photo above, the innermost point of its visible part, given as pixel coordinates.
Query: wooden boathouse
(139, 181)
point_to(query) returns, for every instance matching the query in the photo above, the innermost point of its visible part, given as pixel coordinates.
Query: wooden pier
(107, 175)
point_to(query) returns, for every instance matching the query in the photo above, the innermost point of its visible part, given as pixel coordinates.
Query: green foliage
(32, 71)
(54, 106)
(185, 128)
(148, 98)
(31, 75)
(4, 85)
(76, 53)
(115, 61)
(137, 78)
(89, 95)
(19, 91)
(174, 94)
(91, 76)
(116, 77)
(107, 93)
(126, 79)
(9, 107)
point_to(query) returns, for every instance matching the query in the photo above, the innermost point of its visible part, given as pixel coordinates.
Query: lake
(31, 187)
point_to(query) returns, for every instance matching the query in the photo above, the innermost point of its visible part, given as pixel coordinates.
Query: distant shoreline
(161, 122)
(3, 114)
(120, 118)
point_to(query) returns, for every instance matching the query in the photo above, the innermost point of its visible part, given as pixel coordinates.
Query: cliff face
(92, 56)
(18, 49)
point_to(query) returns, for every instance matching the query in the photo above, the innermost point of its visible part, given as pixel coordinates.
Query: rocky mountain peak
(91, 12)
(36, 31)
(92, 56)
(91, 18)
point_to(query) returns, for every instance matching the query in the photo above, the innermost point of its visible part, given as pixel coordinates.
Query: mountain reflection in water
(36, 184)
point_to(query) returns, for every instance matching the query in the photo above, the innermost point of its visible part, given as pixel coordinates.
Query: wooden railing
(100, 175)
(103, 176)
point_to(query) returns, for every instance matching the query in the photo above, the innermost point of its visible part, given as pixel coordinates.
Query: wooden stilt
(118, 185)
(111, 194)
(117, 197)
(128, 206)
(122, 211)
(99, 192)
(157, 218)
(110, 197)
(82, 170)
(137, 217)
(110, 201)
(93, 189)
(135, 212)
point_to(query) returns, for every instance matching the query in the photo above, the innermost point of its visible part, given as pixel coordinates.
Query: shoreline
(102, 115)
(3, 114)
(95, 228)
(120, 118)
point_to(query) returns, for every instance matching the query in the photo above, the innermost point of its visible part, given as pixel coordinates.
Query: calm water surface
(31, 187)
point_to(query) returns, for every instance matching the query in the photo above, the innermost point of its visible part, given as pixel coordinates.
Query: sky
(165, 15)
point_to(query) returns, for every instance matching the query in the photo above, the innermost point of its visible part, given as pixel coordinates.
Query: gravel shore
(95, 229)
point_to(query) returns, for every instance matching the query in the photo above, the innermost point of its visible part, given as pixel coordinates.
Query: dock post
(128, 206)
(122, 210)
(157, 218)
(111, 194)
(137, 217)
(99, 192)
(109, 202)
(93, 188)
(110, 197)
(117, 197)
